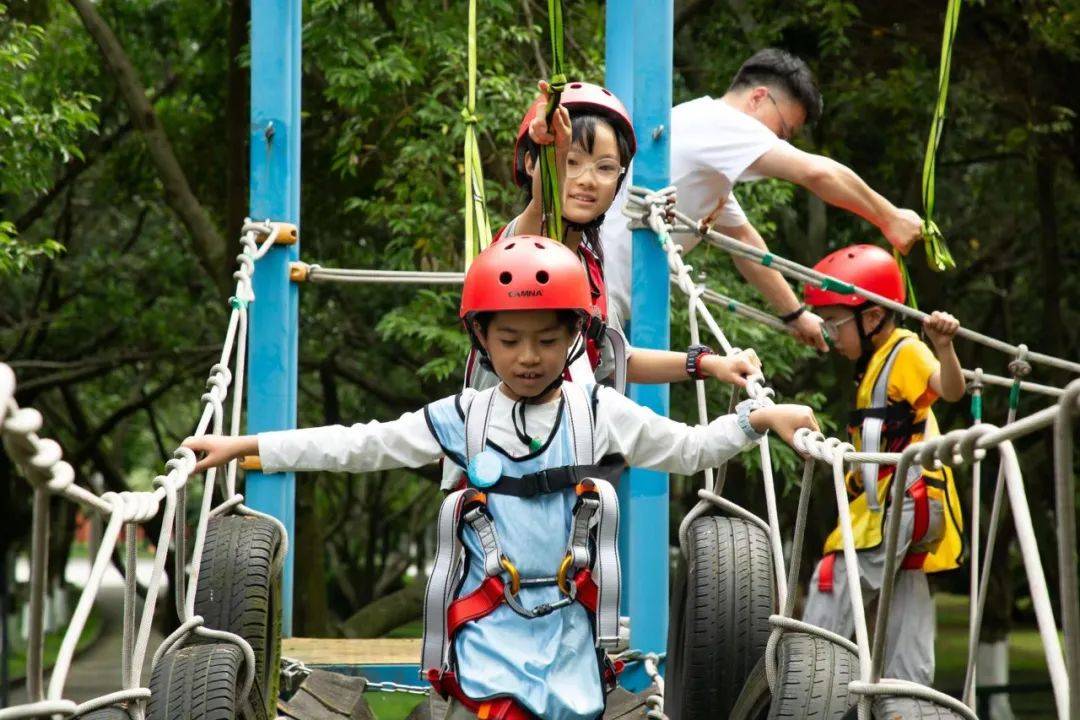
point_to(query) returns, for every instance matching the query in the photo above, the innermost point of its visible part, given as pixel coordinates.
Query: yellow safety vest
(890, 424)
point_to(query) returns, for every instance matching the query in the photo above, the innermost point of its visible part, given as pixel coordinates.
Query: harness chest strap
(911, 561)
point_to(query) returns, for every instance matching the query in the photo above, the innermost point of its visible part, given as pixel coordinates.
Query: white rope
(41, 461)
(640, 197)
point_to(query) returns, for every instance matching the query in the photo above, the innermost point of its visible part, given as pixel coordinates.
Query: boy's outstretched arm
(948, 381)
(652, 441)
(216, 450)
(405, 442)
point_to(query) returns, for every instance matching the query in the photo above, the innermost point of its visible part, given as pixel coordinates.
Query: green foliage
(16, 256)
(37, 128)
(126, 308)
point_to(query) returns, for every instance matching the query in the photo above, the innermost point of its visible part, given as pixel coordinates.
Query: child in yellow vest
(899, 377)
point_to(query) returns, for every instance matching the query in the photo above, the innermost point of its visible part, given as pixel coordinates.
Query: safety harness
(888, 426)
(589, 573)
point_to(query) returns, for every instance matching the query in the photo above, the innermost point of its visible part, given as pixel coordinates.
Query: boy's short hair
(780, 69)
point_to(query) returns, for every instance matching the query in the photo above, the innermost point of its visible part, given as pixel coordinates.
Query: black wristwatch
(793, 315)
(694, 353)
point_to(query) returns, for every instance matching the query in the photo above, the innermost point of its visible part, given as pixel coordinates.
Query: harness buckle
(543, 482)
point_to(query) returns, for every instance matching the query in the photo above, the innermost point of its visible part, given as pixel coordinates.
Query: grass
(91, 632)
(1027, 662)
(392, 705)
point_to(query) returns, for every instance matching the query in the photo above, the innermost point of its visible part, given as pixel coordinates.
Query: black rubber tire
(105, 713)
(755, 699)
(894, 708)
(239, 592)
(812, 677)
(197, 682)
(730, 594)
(674, 659)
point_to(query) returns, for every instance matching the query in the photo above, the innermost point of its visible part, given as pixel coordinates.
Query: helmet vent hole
(510, 246)
(539, 246)
(575, 85)
(505, 277)
(542, 277)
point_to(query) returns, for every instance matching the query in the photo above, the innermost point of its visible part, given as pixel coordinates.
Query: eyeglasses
(605, 169)
(784, 127)
(832, 327)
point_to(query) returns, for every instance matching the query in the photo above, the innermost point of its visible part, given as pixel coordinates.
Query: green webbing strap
(937, 253)
(551, 196)
(477, 226)
(938, 256)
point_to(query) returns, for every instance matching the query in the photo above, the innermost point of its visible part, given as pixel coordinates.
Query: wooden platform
(324, 651)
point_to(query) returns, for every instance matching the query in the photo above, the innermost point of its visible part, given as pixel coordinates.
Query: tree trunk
(208, 244)
(1053, 327)
(378, 618)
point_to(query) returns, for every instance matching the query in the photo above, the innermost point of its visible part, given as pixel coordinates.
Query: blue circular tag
(485, 469)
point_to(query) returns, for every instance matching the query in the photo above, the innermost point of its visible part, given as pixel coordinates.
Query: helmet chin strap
(866, 344)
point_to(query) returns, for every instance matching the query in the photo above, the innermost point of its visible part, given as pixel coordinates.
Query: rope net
(41, 462)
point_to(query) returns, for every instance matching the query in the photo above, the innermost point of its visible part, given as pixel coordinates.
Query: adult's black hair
(780, 69)
(584, 122)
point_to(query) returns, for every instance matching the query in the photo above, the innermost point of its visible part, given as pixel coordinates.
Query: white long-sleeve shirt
(644, 438)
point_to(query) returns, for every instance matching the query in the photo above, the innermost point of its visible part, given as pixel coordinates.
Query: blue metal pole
(619, 50)
(644, 497)
(275, 195)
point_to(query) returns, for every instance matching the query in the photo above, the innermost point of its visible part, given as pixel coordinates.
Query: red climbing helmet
(525, 272)
(577, 95)
(867, 266)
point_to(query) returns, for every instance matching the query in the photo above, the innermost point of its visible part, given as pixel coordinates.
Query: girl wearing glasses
(595, 142)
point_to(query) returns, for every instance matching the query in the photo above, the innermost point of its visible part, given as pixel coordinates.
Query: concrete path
(97, 670)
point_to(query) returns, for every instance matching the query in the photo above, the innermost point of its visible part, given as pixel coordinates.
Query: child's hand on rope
(220, 449)
(732, 369)
(783, 420)
(560, 132)
(539, 131)
(903, 230)
(940, 328)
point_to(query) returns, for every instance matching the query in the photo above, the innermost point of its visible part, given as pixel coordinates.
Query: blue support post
(644, 494)
(275, 195)
(619, 50)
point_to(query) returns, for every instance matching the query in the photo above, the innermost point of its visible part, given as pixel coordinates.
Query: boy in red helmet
(898, 377)
(523, 596)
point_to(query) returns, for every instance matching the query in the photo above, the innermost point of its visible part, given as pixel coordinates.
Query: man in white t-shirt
(744, 136)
